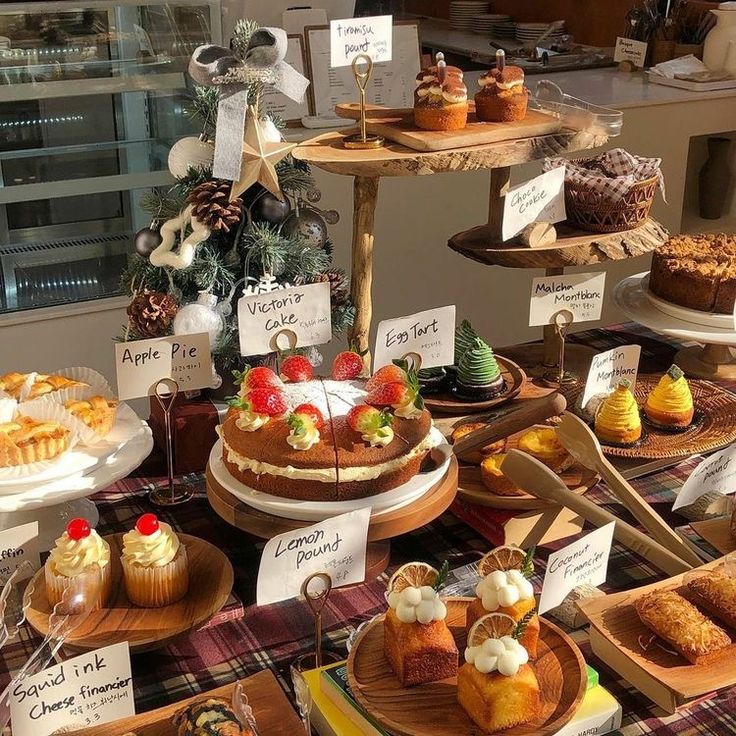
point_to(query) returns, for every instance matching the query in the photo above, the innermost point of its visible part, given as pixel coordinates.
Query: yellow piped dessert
(617, 420)
(670, 402)
(542, 443)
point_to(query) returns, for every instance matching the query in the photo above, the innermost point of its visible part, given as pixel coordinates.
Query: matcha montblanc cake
(478, 374)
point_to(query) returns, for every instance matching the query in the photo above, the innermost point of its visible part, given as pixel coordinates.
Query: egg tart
(25, 440)
(97, 412)
(542, 443)
(494, 479)
(670, 403)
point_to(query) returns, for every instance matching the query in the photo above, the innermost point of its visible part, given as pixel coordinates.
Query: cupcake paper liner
(8, 407)
(155, 587)
(97, 385)
(85, 583)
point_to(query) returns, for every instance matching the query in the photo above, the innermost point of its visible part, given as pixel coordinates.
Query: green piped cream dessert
(465, 336)
(478, 375)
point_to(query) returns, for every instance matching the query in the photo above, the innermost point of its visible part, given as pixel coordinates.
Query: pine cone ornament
(212, 206)
(151, 312)
(339, 287)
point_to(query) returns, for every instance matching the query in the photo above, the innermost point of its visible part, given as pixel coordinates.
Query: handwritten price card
(579, 293)
(540, 200)
(430, 333)
(303, 310)
(16, 546)
(629, 50)
(607, 369)
(583, 561)
(88, 690)
(335, 546)
(716, 474)
(142, 363)
(353, 36)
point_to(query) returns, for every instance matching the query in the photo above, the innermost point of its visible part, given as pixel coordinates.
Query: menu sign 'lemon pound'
(716, 474)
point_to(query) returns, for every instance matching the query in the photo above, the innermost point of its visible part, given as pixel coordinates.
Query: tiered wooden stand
(367, 167)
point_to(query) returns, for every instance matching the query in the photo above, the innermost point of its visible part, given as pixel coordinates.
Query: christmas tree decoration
(150, 314)
(190, 153)
(212, 206)
(271, 134)
(200, 316)
(165, 255)
(147, 240)
(309, 225)
(339, 285)
(264, 285)
(259, 159)
(268, 208)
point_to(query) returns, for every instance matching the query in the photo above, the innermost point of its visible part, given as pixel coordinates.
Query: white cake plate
(716, 360)
(289, 508)
(53, 503)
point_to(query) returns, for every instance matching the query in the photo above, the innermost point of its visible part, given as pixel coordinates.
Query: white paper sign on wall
(140, 364)
(89, 690)
(541, 199)
(629, 50)
(715, 474)
(430, 333)
(607, 369)
(18, 545)
(350, 37)
(336, 546)
(579, 293)
(583, 561)
(303, 310)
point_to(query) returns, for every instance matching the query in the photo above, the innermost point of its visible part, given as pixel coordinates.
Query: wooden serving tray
(717, 532)
(667, 679)
(398, 126)
(210, 582)
(273, 712)
(433, 710)
(577, 478)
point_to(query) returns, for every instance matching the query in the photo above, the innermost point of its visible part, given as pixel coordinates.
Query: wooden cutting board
(398, 126)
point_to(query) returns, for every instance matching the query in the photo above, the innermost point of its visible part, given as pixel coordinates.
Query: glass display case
(92, 97)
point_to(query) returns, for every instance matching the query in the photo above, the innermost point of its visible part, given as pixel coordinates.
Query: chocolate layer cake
(341, 465)
(697, 272)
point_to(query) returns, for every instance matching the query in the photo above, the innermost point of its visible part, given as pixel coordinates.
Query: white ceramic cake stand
(54, 502)
(715, 360)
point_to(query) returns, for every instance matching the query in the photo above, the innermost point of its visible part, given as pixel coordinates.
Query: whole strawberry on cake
(304, 437)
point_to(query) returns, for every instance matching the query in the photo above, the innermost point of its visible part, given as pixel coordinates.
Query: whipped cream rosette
(505, 656)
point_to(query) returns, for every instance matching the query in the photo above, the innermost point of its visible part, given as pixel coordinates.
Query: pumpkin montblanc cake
(326, 439)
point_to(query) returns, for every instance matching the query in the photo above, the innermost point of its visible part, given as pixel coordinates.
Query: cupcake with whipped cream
(503, 98)
(442, 102)
(154, 562)
(74, 563)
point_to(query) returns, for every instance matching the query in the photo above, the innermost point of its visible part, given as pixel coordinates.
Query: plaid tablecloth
(243, 639)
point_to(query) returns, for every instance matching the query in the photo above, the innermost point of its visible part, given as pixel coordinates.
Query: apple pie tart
(43, 383)
(24, 440)
(97, 412)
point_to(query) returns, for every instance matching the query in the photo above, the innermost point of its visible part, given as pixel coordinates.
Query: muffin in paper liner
(89, 435)
(155, 587)
(93, 582)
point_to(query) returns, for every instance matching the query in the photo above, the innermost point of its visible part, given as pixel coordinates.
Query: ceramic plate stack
(532, 31)
(504, 29)
(486, 22)
(463, 12)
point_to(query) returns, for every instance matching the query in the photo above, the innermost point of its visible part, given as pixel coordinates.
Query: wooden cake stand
(327, 152)
(382, 528)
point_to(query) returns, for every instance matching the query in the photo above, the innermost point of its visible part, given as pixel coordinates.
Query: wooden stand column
(500, 182)
(365, 197)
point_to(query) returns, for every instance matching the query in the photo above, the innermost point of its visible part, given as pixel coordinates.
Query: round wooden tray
(210, 582)
(433, 710)
(445, 402)
(717, 430)
(383, 526)
(577, 478)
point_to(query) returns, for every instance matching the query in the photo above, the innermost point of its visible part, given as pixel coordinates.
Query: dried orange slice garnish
(502, 558)
(413, 574)
(490, 626)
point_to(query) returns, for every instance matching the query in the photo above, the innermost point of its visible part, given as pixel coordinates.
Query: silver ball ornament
(200, 316)
(309, 225)
(190, 153)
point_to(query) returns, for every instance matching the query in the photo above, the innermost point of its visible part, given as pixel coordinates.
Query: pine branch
(202, 108)
(266, 249)
(305, 262)
(521, 626)
(244, 29)
(343, 317)
(442, 575)
(161, 204)
(527, 567)
(293, 178)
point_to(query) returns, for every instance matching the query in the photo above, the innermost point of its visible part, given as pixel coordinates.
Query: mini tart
(476, 456)
(494, 479)
(24, 440)
(97, 412)
(670, 403)
(542, 444)
(617, 420)
(503, 98)
(441, 106)
(12, 383)
(45, 384)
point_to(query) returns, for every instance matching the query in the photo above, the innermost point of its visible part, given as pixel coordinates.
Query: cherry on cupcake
(147, 525)
(78, 529)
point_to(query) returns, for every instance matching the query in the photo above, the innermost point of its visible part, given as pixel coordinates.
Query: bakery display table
(243, 639)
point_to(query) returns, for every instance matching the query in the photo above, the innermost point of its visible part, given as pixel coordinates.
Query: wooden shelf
(574, 247)
(327, 152)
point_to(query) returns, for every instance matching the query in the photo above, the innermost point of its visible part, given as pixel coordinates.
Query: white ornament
(200, 316)
(271, 134)
(265, 285)
(190, 153)
(164, 254)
